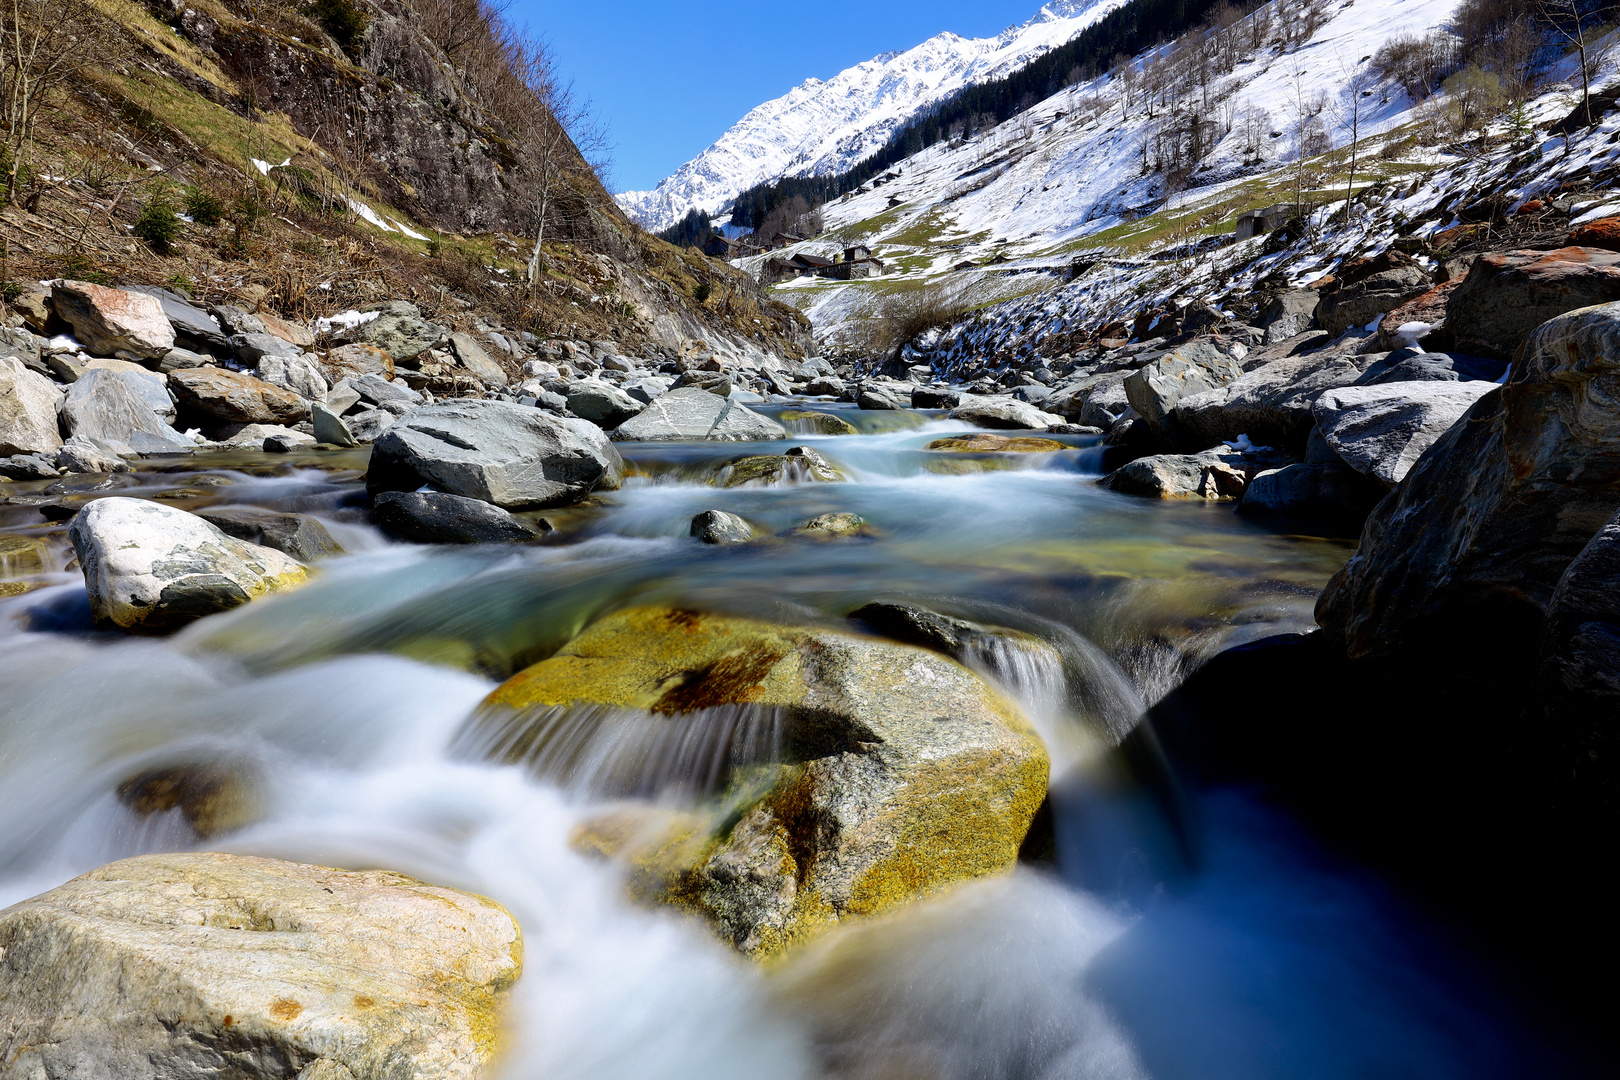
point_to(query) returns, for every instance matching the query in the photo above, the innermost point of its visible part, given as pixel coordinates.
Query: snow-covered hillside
(820, 127)
(1068, 175)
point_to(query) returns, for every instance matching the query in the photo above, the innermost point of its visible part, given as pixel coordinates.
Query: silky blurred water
(338, 713)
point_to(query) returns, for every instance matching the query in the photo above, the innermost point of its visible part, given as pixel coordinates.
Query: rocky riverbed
(768, 719)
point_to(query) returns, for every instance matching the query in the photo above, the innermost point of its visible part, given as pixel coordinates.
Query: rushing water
(337, 715)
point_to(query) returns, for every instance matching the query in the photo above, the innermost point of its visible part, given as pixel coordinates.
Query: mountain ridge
(823, 126)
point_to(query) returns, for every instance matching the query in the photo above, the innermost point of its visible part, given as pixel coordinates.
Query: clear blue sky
(669, 79)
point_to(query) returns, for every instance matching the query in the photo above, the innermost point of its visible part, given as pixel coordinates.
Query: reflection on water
(329, 725)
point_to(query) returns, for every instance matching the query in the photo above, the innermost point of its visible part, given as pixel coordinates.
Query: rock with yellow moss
(983, 442)
(150, 568)
(221, 965)
(901, 772)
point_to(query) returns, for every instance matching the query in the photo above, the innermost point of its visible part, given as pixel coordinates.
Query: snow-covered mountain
(822, 127)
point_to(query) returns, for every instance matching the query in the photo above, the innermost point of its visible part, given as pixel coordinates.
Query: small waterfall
(606, 751)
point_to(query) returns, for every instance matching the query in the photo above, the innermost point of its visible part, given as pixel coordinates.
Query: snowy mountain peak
(822, 127)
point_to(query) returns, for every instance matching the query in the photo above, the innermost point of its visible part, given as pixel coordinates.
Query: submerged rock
(800, 464)
(224, 965)
(298, 535)
(431, 517)
(903, 772)
(150, 568)
(497, 451)
(719, 527)
(997, 444)
(691, 413)
(212, 798)
(831, 527)
(817, 423)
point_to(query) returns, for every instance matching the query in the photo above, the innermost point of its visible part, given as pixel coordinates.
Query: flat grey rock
(432, 517)
(1381, 431)
(690, 413)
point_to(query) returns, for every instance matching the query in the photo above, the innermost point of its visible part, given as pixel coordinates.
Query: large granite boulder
(299, 535)
(217, 396)
(113, 322)
(497, 451)
(1288, 314)
(691, 413)
(1210, 474)
(602, 403)
(150, 386)
(297, 373)
(103, 407)
(355, 361)
(1470, 546)
(193, 327)
(28, 403)
(1330, 498)
(1271, 404)
(1155, 389)
(224, 965)
(1381, 431)
(150, 568)
(1508, 294)
(899, 772)
(1363, 290)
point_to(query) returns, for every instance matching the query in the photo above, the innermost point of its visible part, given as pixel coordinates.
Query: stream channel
(1260, 955)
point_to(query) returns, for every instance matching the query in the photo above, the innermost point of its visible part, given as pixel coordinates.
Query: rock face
(1508, 294)
(232, 397)
(1332, 497)
(1580, 669)
(902, 772)
(1271, 404)
(28, 403)
(150, 568)
(1004, 413)
(691, 413)
(112, 322)
(1288, 314)
(1405, 325)
(222, 965)
(1155, 389)
(1365, 290)
(1381, 431)
(497, 451)
(101, 406)
(431, 517)
(1473, 542)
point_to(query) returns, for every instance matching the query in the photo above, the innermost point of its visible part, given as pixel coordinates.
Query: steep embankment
(330, 155)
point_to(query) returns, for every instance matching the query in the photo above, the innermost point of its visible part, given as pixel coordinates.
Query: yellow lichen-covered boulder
(900, 771)
(985, 443)
(222, 965)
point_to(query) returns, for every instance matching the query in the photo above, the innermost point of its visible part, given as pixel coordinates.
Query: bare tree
(1348, 109)
(44, 45)
(1577, 28)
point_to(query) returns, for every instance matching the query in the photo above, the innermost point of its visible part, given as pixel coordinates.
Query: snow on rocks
(150, 568)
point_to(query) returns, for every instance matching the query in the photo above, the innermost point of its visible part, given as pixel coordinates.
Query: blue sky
(669, 79)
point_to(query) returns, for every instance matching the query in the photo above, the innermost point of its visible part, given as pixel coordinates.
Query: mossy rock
(985, 443)
(23, 555)
(901, 771)
(816, 423)
(831, 527)
(799, 465)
